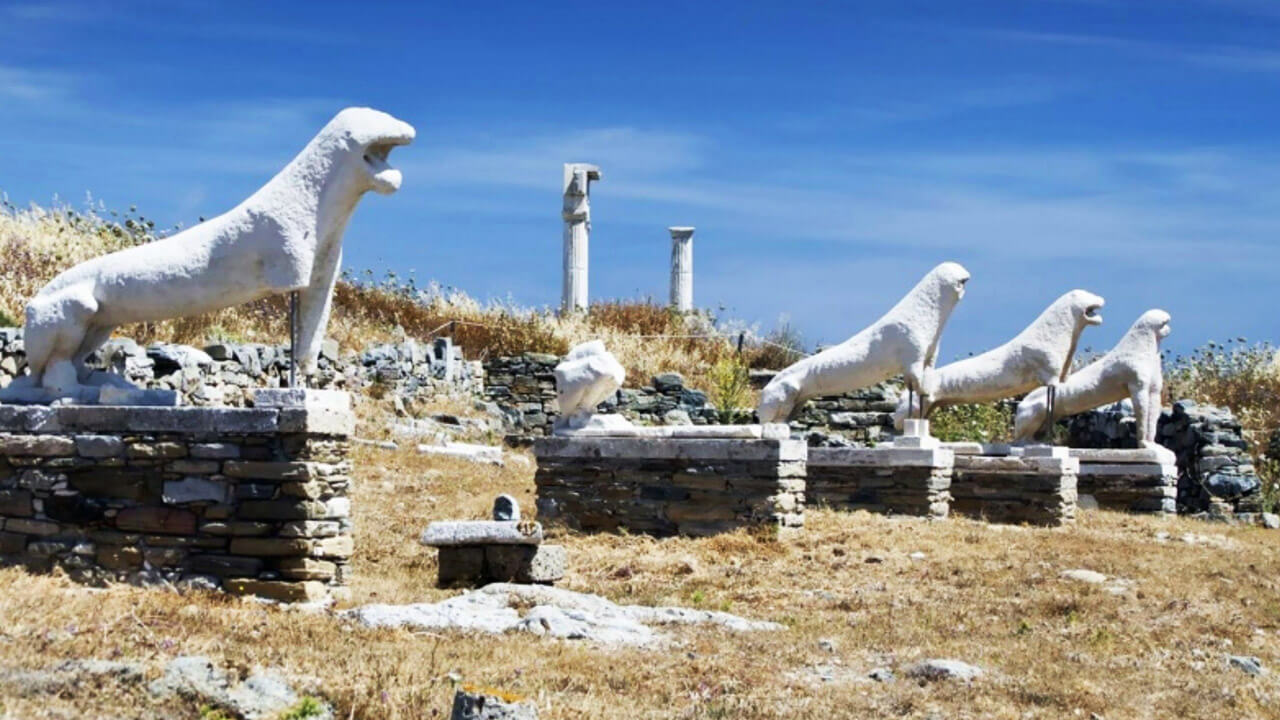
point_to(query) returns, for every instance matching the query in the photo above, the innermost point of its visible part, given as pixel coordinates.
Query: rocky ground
(1117, 617)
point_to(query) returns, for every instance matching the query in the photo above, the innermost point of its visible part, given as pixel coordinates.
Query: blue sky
(828, 153)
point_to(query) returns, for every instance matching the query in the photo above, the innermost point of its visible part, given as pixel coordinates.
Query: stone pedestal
(1136, 481)
(1035, 486)
(885, 479)
(253, 501)
(671, 485)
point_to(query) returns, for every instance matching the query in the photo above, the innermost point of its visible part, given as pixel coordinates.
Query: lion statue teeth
(285, 237)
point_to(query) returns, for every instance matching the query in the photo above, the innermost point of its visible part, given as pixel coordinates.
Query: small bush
(989, 422)
(307, 707)
(730, 388)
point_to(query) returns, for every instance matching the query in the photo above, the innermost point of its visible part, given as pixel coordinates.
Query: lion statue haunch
(587, 376)
(904, 341)
(1130, 369)
(1039, 355)
(287, 236)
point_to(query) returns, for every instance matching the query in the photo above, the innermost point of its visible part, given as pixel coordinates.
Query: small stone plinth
(671, 485)
(252, 501)
(1038, 490)
(886, 479)
(485, 551)
(1133, 481)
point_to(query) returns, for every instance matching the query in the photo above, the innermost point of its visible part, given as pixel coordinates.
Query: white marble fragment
(554, 612)
(588, 376)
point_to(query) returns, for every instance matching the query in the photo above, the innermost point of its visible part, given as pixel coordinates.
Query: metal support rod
(293, 339)
(741, 336)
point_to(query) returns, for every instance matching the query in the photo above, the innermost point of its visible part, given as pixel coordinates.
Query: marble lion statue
(904, 341)
(1130, 369)
(287, 236)
(1039, 355)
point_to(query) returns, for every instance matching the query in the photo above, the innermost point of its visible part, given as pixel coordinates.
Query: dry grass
(984, 594)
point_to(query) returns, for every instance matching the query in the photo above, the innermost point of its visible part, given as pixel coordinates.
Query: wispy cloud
(1238, 58)
(35, 86)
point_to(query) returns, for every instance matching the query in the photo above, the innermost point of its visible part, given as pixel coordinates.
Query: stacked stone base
(253, 501)
(1135, 481)
(1012, 489)
(670, 486)
(881, 480)
(480, 564)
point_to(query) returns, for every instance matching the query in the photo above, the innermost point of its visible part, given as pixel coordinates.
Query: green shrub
(730, 389)
(989, 422)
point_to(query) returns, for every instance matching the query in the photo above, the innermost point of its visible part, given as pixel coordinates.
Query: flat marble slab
(1144, 456)
(771, 431)
(453, 533)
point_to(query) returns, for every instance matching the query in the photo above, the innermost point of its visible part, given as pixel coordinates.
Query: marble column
(577, 229)
(681, 268)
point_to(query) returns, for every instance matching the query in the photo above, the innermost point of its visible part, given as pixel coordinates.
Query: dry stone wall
(253, 501)
(524, 387)
(1213, 455)
(1039, 491)
(226, 374)
(674, 486)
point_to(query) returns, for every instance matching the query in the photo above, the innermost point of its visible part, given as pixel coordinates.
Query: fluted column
(681, 268)
(577, 231)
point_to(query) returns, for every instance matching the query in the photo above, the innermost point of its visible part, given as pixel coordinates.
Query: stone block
(460, 564)
(28, 526)
(37, 445)
(12, 543)
(116, 557)
(194, 489)
(310, 528)
(113, 483)
(225, 565)
(481, 532)
(155, 451)
(307, 569)
(169, 521)
(283, 510)
(289, 592)
(313, 490)
(16, 503)
(270, 547)
(524, 563)
(215, 451)
(341, 546)
(99, 446)
(268, 470)
(163, 557)
(193, 467)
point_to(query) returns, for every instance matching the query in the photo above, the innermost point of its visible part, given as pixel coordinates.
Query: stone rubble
(1213, 457)
(411, 372)
(477, 703)
(943, 669)
(552, 612)
(263, 695)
